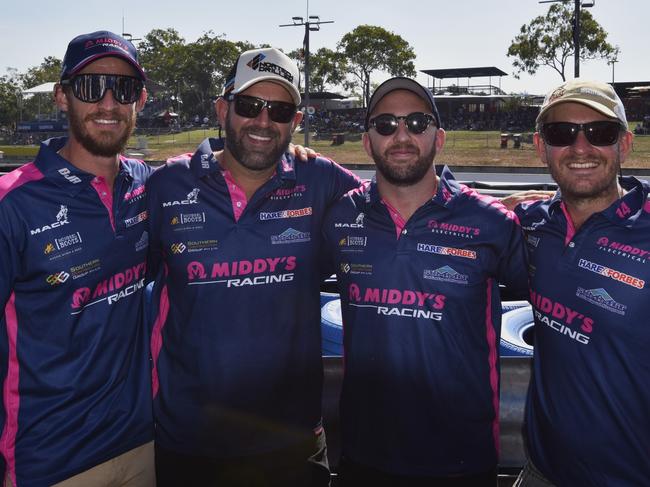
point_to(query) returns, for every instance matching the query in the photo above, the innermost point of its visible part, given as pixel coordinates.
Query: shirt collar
(64, 174)
(204, 163)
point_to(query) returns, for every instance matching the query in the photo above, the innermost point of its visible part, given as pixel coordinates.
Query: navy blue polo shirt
(75, 368)
(588, 410)
(421, 323)
(236, 341)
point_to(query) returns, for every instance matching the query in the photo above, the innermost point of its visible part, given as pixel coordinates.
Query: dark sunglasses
(251, 106)
(416, 123)
(562, 134)
(90, 88)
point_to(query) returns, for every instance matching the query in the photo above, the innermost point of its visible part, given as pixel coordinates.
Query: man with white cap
(419, 258)
(588, 410)
(74, 355)
(236, 342)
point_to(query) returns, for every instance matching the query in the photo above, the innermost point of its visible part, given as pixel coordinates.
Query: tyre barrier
(516, 327)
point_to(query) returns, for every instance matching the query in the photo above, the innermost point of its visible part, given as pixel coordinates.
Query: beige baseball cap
(594, 94)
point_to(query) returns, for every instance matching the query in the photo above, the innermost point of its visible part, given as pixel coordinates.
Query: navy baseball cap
(86, 48)
(401, 83)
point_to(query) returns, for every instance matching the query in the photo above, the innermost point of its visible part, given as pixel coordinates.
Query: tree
(9, 98)
(369, 48)
(49, 70)
(548, 41)
(326, 67)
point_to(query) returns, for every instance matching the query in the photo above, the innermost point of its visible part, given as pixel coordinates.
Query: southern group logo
(178, 248)
(58, 278)
(356, 268)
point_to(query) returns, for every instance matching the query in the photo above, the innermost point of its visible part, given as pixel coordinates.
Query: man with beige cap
(588, 410)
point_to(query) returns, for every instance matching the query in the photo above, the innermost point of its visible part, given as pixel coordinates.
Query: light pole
(313, 23)
(576, 29)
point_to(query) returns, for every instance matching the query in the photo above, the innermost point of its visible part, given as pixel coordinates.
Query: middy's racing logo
(111, 290)
(561, 318)
(601, 298)
(192, 198)
(258, 64)
(446, 274)
(257, 272)
(611, 273)
(61, 219)
(358, 223)
(398, 302)
(451, 251)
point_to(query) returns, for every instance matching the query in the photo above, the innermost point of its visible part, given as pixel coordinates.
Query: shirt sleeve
(512, 268)
(342, 181)
(9, 257)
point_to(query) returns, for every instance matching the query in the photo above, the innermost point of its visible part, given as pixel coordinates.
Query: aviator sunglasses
(90, 88)
(562, 134)
(416, 123)
(251, 106)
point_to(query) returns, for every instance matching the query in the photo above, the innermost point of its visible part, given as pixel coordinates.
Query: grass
(463, 148)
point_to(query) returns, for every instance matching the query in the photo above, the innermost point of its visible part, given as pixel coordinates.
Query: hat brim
(290, 87)
(599, 107)
(86, 62)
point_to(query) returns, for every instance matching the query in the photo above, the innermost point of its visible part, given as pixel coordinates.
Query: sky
(449, 34)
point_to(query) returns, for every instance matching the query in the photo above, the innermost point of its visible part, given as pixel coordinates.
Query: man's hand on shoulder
(302, 153)
(515, 199)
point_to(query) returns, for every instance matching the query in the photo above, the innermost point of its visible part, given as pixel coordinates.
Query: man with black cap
(75, 368)
(588, 410)
(419, 258)
(238, 374)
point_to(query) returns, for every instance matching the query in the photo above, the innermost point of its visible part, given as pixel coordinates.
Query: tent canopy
(44, 88)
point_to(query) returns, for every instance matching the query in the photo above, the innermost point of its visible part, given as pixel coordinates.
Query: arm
(515, 199)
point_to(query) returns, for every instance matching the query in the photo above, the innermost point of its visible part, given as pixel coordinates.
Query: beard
(587, 189)
(254, 158)
(105, 143)
(404, 174)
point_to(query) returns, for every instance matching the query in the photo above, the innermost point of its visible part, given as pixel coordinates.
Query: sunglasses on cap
(251, 106)
(562, 134)
(90, 88)
(416, 123)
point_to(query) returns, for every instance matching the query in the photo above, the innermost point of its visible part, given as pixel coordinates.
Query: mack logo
(358, 223)
(534, 226)
(61, 219)
(58, 278)
(192, 198)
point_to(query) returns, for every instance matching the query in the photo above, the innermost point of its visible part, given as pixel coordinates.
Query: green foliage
(370, 48)
(49, 70)
(548, 41)
(327, 68)
(9, 98)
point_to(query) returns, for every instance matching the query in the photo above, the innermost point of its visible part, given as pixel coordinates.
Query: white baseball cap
(267, 64)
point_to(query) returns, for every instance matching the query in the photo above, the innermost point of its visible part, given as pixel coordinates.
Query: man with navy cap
(75, 368)
(419, 258)
(238, 375)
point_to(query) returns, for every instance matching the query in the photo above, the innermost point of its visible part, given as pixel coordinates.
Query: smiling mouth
(260, 138)
(583, 165)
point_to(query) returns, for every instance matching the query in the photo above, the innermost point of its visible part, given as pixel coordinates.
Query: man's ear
(297, 118)
(60, 97)
(540, 147)
(139, 105)
(221, 109)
